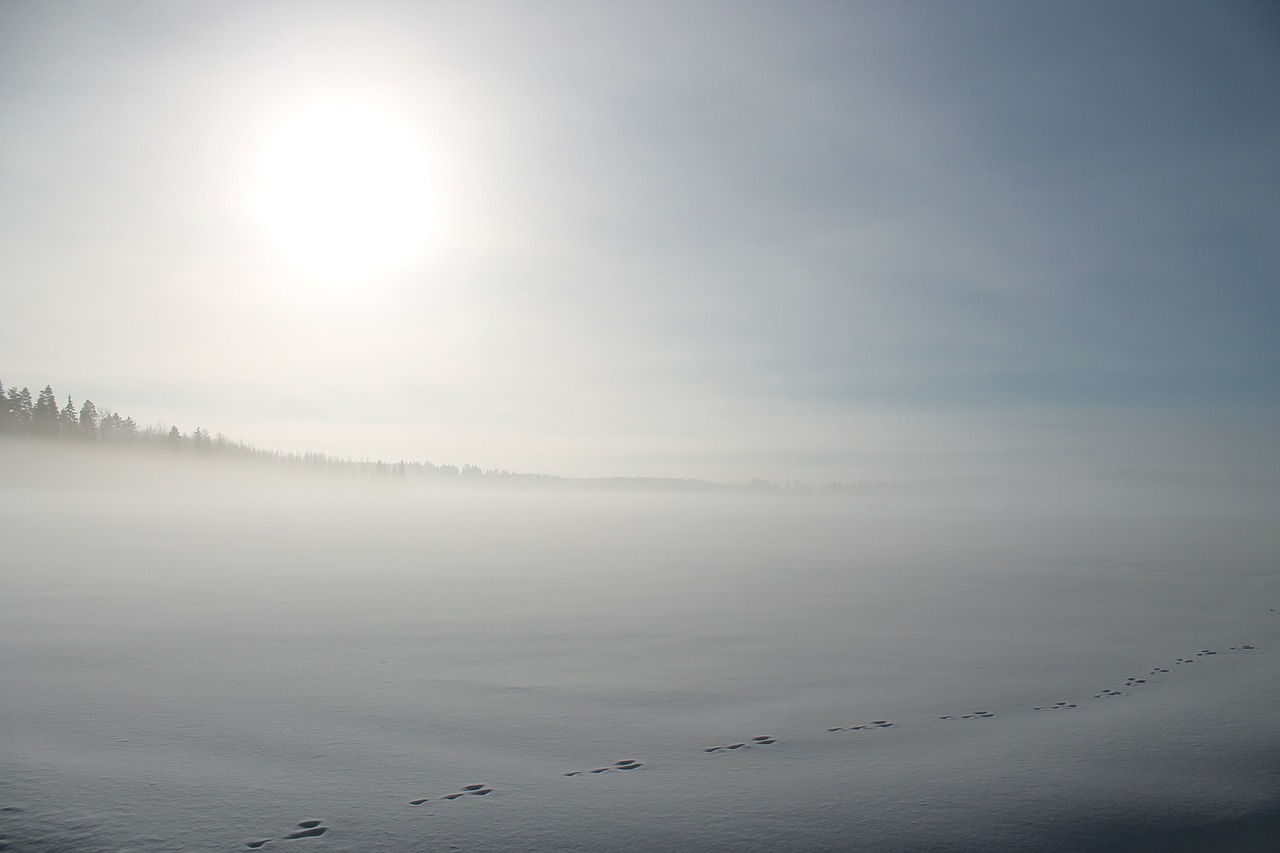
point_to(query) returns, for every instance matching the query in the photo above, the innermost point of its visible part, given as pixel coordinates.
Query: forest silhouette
(42, 421)
(91, 431)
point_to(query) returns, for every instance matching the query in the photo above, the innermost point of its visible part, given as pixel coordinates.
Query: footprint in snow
(1109, 694)
(474, 790)
(306, 829)
(762, 740)
(1056, 706)
(874, 724)
(973, 715)
(624, 764)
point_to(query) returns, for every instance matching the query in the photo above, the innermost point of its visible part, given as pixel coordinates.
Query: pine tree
(44, 417)
(19, 403)
(68, 420)
(89, 421)
(109, 426)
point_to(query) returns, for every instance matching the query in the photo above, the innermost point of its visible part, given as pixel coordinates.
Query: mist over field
(197, 664)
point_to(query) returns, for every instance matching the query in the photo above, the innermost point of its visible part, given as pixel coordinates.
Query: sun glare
(343, 189)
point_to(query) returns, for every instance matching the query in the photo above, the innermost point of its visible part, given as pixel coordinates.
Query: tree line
(42, 419)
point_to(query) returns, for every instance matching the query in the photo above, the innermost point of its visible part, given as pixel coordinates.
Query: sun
(343, 190)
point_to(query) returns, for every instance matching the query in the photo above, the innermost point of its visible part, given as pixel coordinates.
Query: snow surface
(187, 671)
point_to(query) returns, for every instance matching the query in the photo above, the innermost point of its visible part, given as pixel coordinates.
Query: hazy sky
(792, 240)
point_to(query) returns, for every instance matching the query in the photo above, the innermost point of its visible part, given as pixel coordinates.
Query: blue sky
(795, 240)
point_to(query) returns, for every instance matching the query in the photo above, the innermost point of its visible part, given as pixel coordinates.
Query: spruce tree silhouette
(69, 420)
(18, 404)
(44, 417)
(89, 421)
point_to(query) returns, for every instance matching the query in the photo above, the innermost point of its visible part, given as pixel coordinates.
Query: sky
(812, 241)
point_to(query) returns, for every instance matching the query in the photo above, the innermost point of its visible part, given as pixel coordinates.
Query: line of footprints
(315, 828)
(1133, 681)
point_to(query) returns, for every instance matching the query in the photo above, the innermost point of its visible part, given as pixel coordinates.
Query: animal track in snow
(306, 829)
(624, 764)
(467, 791)
(762, 740)
(874, 724)
(315, 828)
